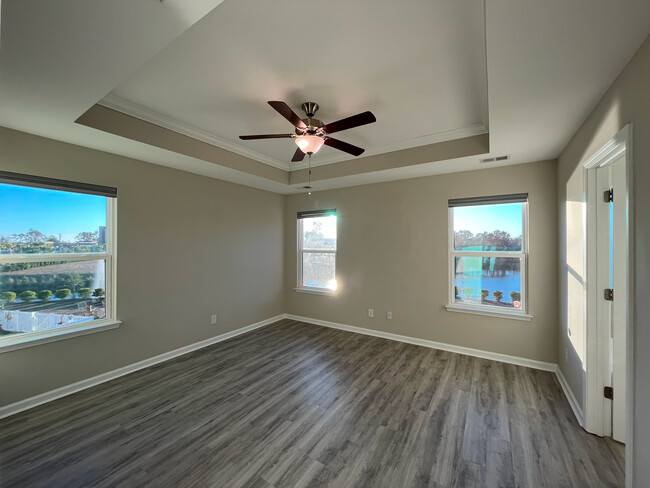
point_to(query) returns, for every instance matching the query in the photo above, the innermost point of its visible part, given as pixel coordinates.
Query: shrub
(63, 293)
(498, 295)
(468, 291)
(27, 295)
(485, 294)
(99, 292)
(515, 296)
(44, 295)
(84, 292)
(8, 296)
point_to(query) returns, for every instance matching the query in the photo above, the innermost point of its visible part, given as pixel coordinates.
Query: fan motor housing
(313, 127)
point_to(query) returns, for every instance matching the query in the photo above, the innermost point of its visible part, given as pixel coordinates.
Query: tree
(468, 291)
(315, 233)
(463, 239)
(8, 296)
(86, 236)
(498, 295)
(99, 292)
(515, 296)
(84, 292)
(44, 295)
(62, 293)
(485, 294)
(28, 295)
(74, 281)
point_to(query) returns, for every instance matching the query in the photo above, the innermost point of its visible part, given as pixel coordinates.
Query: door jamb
(596, 360)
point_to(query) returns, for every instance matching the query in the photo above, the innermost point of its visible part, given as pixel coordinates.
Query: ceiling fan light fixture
(309, 144)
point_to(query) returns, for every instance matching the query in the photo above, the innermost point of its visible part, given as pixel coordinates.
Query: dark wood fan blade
(344, 146)
(298, 156)
(284, 110)
(266, 136)
(350, 122)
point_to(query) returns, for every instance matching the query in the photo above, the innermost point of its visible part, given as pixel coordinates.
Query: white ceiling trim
(138, 111)
(135, 110)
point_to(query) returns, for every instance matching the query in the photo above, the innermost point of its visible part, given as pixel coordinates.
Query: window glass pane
(48, 295)
(488, 281)
(40, 221)
(488, 227)
(318, 270)
(319, 233)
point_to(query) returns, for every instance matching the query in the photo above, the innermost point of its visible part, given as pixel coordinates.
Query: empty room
(263, 244)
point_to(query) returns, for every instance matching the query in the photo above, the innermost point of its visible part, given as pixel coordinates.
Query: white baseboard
(577, 411)
(468, 351)
(28, 403)
(48, 396)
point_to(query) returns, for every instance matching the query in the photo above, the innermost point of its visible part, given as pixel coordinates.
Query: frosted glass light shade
(309, 144)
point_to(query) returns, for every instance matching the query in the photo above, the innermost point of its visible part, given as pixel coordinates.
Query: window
(57, 257)
(317, 251)
(488, 254)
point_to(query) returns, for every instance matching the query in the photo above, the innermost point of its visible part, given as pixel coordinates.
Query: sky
(52, 212)
(488, 218)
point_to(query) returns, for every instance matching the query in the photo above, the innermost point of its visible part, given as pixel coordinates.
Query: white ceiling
(548, 63)
(421, 70)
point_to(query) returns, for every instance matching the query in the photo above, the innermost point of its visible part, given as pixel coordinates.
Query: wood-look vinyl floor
(294, 405)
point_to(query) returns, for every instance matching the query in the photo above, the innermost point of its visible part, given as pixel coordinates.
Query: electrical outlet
(213, 320)
(371, 312)
(389, 315)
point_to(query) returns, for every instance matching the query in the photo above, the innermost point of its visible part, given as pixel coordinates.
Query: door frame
(597, 339)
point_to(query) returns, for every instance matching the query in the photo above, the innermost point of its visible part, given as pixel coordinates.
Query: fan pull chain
(309, 174)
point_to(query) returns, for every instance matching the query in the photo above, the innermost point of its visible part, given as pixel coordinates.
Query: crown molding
(138, 111)
(132, 109)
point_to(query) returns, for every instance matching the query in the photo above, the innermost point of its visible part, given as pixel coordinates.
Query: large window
(488, 253)
(317, 250)
(56, 256)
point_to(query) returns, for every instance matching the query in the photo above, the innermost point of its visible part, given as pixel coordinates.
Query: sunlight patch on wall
(576, 293)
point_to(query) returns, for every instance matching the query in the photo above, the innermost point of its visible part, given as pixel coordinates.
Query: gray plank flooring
(297, 405)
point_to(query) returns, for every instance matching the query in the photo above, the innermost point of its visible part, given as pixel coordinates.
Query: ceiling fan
(311, 133)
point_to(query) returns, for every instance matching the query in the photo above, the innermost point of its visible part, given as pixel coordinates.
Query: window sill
(20, 341)
(316, 291)
(490, 313)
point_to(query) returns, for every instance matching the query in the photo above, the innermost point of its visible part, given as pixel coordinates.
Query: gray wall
(188, 247)
(627, 100)
(393, 255)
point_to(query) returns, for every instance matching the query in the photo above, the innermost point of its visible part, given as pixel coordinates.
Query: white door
(612, 314)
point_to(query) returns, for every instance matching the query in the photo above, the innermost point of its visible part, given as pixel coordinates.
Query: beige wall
(392, 255)
(188, 247)
(627, 100)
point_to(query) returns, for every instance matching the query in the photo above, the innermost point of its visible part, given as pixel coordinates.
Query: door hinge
(608, 196)
(609, 294)
(608, 392)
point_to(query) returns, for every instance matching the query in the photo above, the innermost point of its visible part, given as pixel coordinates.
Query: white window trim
(301, 251)
(454, 306)
(19, 341)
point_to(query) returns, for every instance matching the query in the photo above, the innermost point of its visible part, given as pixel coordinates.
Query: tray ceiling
(421, 70)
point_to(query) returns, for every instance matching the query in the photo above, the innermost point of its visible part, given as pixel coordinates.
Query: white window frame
(301, 251)
(18, 341)
(490, 310)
